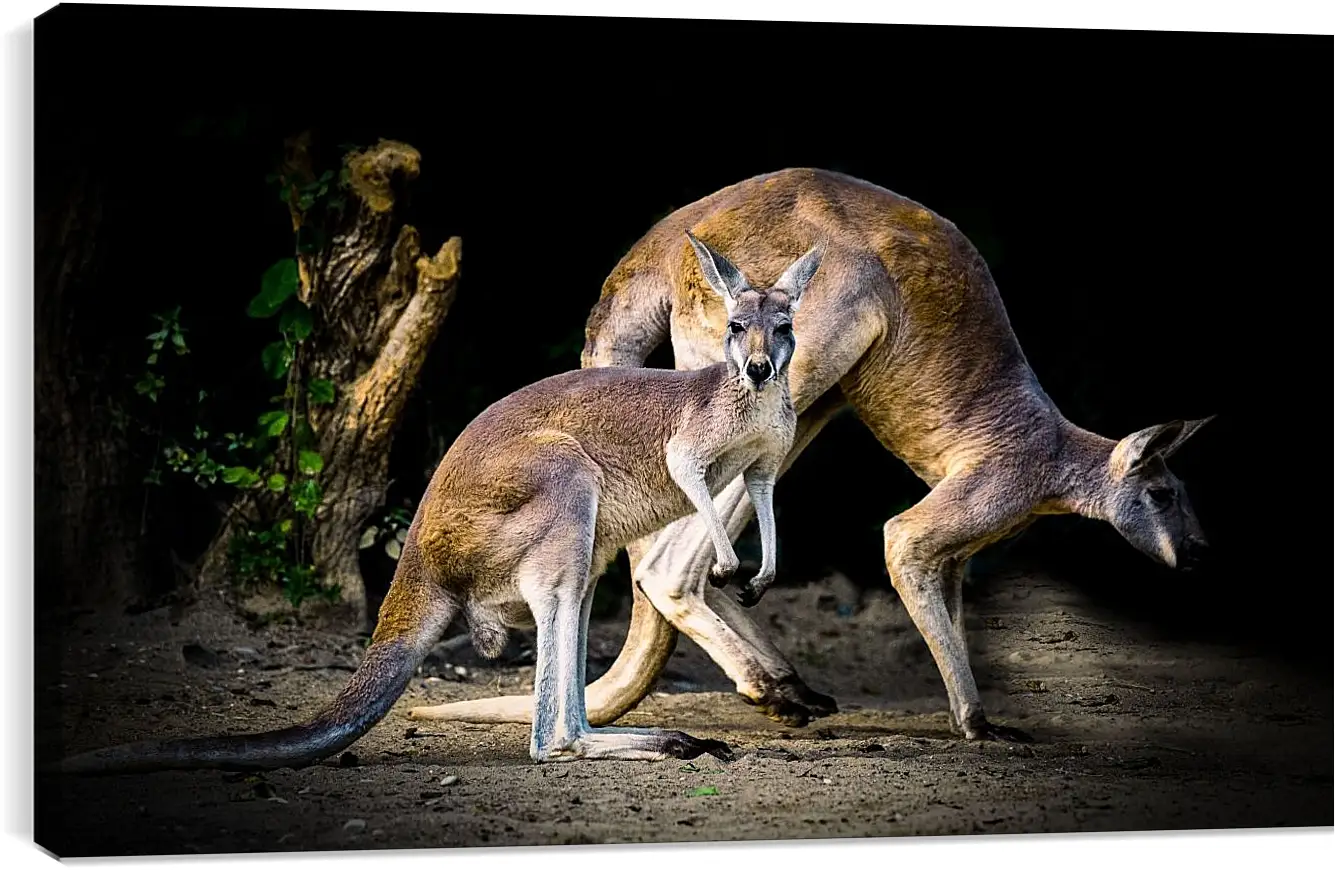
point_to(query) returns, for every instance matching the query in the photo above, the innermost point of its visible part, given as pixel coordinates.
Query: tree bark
(88, 536)
(378, 302)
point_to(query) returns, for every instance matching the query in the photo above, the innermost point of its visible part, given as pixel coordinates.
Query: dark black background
(1153, 207)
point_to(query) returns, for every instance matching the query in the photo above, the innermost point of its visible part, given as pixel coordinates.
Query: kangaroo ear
(1189, 428)
(793, 282)
(726, 279)
(1135, 450)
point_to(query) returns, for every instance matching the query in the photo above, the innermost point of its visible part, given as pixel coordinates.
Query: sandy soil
(1133, 731)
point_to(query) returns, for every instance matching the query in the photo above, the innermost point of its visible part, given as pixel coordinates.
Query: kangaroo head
(758, 342)
(1147, 504)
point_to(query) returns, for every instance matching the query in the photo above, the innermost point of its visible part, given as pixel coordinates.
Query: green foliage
(277, 358)
(390, 531)
(279, 283)
(274, 423)
(260, 557)
(276, 459)
(306, 495)
(320, 391)
(310, 462)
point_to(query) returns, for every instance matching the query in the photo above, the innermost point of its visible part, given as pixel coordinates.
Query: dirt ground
(1133, 731)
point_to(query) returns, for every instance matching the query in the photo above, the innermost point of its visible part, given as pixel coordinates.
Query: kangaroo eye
(1161, 496)
(735, 328)
(783, 329)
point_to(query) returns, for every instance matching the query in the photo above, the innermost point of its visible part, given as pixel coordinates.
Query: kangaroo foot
(981, 729)
(680, 745)
(791, 702)
(630, 744)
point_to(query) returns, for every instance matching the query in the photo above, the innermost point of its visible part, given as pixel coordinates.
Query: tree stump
(377, 303)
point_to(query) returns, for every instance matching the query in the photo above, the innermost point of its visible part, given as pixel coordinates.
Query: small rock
(828, 781)
(460, 671)
(353, 826)
(450, 780)
(199, 656)
(410, 732)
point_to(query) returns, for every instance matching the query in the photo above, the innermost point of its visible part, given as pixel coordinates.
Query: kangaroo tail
(414, 615)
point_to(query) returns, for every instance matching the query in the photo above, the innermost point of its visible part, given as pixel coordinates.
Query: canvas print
(484, 430)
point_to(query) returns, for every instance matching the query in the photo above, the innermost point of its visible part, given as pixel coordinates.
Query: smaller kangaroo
(526, 510)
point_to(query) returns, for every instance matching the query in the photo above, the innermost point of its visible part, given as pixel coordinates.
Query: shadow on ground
(1135, 731)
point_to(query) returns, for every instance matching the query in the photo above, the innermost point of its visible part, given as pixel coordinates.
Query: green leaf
(392, 549)
(178, 339)
(402, 535)
(150, 385)
(274, 423)
(702, 791)
(277, 482)
(296, 321)
(277, 358)
(152, 359)
(321, 391)
(306, 495)
(279, 282)
(239, 475)
(310, 462)
(368, 537)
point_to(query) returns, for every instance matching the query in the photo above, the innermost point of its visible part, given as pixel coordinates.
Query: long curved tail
(414, 615)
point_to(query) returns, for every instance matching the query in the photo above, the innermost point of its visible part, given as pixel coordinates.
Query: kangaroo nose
(759, 370)
(1194, 552)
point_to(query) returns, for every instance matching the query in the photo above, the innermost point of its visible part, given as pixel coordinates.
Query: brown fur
(905, 323)
(526, 509)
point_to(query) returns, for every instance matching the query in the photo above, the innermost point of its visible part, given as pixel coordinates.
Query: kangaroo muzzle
(1194, 554)
(759, 371)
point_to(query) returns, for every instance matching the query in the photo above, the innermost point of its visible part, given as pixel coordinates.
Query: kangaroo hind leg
(561, 731)
(556, 581)
(926, 548)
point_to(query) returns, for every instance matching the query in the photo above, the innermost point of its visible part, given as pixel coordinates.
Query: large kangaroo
(905, 324)
(529, 505)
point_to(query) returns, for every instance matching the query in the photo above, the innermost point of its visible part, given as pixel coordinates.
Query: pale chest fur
(762, 426)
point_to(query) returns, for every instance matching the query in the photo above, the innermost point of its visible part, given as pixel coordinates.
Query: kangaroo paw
(753, 590)
(685, 746)
(720, 574)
